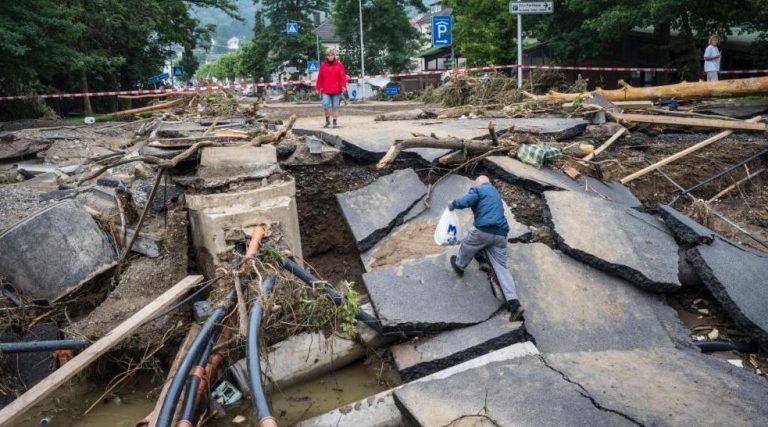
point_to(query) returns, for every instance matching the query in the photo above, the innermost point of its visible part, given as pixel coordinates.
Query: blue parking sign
(292, 28)
(441, 30)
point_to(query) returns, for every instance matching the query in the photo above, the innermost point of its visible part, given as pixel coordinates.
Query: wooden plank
(191, 334)
(693, 121)
(620, 104)
(734, 185)
(683, 153)
(615, 137)
(15, 409)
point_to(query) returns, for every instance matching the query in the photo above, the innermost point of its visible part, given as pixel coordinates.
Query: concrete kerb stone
(380, 410)
(614, 238)
(373, 211)
(736, 276)
(416, 359)
(54, 251)
(223, 165)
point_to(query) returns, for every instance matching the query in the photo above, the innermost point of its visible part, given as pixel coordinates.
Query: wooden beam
(606, 144)
(683, 153)
(15, 409)
(169, 104)
(693, 121)
(734, 185)
(620, 104)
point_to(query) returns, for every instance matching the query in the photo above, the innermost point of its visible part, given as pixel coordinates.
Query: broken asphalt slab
(614, 238)
(369, 140)
(548, 179)
(422, 357)
(414, 239)
(738, 277)
(426, 295)
(570, 306)
(516, 392)
(54, 251)
(372, 211)
(685, 228)
(610, 388)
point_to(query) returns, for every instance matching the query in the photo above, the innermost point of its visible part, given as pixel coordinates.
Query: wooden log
(683, 153)
(15, 409)
(161, 106)
(156, 95)
(692, 121)
(606, 144)
(684, 90)
(273, 137)
(619, 104)
(451, 143)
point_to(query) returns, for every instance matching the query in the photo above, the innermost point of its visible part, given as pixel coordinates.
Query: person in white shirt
(712, 57)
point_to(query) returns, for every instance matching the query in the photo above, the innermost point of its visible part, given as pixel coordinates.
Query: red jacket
(332, 79)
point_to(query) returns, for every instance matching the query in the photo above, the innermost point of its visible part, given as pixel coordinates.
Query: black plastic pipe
(193, 384)
(165, 417)
(337, 298)
(258, 395)
(50, 345)
(744, 347)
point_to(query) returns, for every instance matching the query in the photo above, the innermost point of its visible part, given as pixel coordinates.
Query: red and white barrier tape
(384, 75)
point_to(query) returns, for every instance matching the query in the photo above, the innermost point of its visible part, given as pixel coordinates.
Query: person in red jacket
(331, 81)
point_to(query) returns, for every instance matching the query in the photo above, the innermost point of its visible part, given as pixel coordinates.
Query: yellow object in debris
(586, 149)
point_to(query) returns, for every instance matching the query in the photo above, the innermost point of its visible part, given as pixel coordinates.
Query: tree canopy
(390, 41)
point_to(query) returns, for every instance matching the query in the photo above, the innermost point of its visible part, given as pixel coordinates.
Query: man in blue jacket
(489, 232)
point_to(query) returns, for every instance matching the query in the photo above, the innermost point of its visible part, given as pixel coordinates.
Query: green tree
(390, 40)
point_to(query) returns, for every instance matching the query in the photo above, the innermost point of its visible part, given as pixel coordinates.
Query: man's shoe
(456, 268)
(326, 126)
(515, 309)
(335, 126)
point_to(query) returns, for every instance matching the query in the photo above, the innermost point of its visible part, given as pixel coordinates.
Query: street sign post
(442, 27)
(292, 28)
(158, 78)
(521, 8)
(531, 7)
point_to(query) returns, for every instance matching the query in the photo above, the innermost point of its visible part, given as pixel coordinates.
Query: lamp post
(362, 47)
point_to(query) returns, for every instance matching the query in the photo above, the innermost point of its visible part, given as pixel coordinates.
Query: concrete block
(54, 251)
(233, 163)
(304, 357)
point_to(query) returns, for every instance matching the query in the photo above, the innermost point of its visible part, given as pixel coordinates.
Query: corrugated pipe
(49, 345)
(258, 394)
(165, 417)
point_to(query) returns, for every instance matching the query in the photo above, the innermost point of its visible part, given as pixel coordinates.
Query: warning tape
(196, 89)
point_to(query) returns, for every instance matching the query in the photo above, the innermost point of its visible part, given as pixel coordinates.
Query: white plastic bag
(448, 231)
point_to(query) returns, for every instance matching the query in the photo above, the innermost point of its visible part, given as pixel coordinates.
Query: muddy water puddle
(134, 401)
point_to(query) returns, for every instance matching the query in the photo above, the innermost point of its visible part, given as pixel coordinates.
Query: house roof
(327, 32)
(426, 18)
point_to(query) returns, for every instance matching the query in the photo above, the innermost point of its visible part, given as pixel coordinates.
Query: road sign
(531, 7)
(441, 30)
(159, 78)
(178, 70)
(313, 66)
(292, 28)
